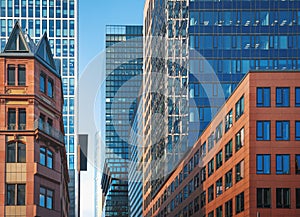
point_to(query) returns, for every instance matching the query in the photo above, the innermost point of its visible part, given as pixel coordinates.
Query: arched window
(16, 152)
(46, 157)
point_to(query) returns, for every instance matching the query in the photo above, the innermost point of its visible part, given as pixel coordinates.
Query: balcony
(49, 130)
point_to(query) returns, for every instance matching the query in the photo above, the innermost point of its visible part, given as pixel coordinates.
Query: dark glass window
(219, 211)
(297, 161)
(196, 181)
(263, 97)
(211, 214)
(282, 164)
(282, 96)
(46, 198)
(210, 167)
(210, 193)
(239, 139)
(239, 108)
(228, 150)
(263, 130)
(196, 204)
(297, 96)
(228, 121)
(228, 180)
(203, 174)
(211, 141)
(203, 198)
(11, 119)
(218, 133)
(15, 194)
(263, 197)
(46, 157)
(50, 88)
(228, 208)
(21, 75)
(219, 187)
(43, 83)
(22, 119)
(263, 164)
(219, 159)
(16, 152)
(297, 130)
(282, 130)
(11, 75)
(298, 198)
(239, 203)
(239, 171)
(283, 198)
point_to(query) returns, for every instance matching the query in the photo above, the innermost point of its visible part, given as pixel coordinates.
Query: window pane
(11, 153)
(22, 119)
(21, 76)
(43, 156)
(11, 119)
(297, 96)
(11, 75)
(50, 88)
(21, 153)
(49, 159)
(21, 195)
(42, 83)
(10, 194)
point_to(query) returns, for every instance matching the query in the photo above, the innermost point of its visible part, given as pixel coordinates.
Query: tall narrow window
(239, 171)
(50, 88)
(219, 159)
(11, 119)
(210, 193)
(263, 129)
(239, 205)
(283, 198)
(228, 121)
(22, 119)
(297, 163)
(239, 139)
(203, 198)
(298, 198)
(228, 150)
(210, 167)
(228, 179)
(219, 187)
(43, 83)
(282, 164)
(282, 130)
(239, 108)
(21, 75)
(297, 130)
(282, 96)
(297, 96)
(11, 75)
(219, 211)
(263, 197)
(263, 97)
(228, 208)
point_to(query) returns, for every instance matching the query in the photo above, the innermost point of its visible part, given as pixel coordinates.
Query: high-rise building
(225, 40)
(253, 168)
(34, 180)
(124, 61)
(59, 18)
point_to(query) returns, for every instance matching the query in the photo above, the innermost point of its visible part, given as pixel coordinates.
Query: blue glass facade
(124, 51)
(59, 19)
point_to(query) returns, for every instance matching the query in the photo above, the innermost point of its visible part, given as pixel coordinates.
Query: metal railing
(48, 129)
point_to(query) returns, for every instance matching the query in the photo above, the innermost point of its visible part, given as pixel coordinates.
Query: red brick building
(33, 168)
(247, 161)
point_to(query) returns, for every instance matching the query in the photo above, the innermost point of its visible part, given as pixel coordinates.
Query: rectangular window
(11, 75)
(196, 204)
(239, 171)
(239, 140)
(196, 158)
(263, 130)
(43, 83)
(239, 108)
(219, 211)
(219, 159)
(263, 164)
(196, 181)
(50, 88)
(218, 134)
(282, 96)
(228, 121)
(210, 167)
(263, 97)
(210, 193)
(298, 198)
(22, 119)
(283, 198)
(297, 159)
(282, 164)
(239, 205)
(11, 125)
(203, 174)
(228, 150)
(21, 75)
(219, 187)
(282, 130)
(211, 214)
(228, 208)
(211, 141)
(297, 96)
(15, 194)
(203, 199)
(263, 197)
(228, 180)
(297, 130)
(203, 150)
(46, 198)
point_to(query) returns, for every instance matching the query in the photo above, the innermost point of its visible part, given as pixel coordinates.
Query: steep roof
(20, 44)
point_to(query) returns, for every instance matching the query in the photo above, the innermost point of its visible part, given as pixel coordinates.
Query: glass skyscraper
(225, 40)
(124, 52)
(59, 18)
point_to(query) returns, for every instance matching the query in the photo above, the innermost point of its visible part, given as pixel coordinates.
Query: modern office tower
(124, 61)
(226, 39)
(253, 167)
(135, 176)
(34, 172)
(59, 18)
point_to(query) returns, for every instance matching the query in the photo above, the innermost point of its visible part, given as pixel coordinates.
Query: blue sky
(94, 15)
